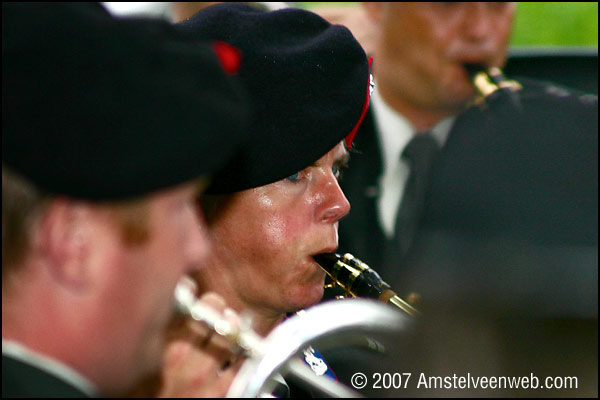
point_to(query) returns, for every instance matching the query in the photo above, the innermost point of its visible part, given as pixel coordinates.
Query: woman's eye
(294, 177)
(336, 171)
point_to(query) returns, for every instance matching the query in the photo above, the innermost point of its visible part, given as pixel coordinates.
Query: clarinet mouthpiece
(359, 280)
(491, 83)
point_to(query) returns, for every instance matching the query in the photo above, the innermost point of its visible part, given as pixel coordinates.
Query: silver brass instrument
(188, 305)
(334, 323)
(489, 82)
(359, 280)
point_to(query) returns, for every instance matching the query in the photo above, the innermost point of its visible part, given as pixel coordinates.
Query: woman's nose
(335, 205)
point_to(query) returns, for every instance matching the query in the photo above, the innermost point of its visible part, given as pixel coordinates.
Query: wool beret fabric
(105, 108)
(308, 82)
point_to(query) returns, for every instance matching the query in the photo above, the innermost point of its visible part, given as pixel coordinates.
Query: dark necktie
(419, 153)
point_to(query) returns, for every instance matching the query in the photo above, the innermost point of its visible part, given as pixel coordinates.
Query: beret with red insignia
(308, 81)
(105, 108)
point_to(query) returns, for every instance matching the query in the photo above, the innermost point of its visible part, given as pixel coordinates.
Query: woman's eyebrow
(343, 159)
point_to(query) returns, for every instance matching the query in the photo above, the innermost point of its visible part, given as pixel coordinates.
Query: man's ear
(64, 239)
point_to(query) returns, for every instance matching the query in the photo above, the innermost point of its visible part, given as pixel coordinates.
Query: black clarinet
(359, 280)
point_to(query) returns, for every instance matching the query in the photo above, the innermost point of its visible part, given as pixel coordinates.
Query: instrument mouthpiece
(491, 83)
(358, 279)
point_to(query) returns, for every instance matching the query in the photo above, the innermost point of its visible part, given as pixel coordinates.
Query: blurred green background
(556, 24)
(543, 24)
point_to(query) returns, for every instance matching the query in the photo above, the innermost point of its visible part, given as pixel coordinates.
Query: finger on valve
(197, 362)
(200, 362)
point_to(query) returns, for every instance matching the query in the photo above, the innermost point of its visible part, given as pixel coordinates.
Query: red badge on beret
(229, 56)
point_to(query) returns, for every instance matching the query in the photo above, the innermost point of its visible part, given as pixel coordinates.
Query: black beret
(308, 81)
(101, 108)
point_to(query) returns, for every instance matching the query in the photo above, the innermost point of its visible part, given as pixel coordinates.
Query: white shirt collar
(50, 365)
(394, 131)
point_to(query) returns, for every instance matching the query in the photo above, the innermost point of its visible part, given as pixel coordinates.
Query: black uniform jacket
(24, 380)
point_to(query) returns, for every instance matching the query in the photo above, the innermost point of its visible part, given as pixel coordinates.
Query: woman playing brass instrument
(278, 204)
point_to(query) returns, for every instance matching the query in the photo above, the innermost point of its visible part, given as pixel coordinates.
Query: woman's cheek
(275, 232)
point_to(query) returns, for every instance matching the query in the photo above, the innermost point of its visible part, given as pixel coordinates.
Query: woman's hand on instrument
(198, 362)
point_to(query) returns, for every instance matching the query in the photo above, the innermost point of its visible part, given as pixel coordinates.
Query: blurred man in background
(497, 211)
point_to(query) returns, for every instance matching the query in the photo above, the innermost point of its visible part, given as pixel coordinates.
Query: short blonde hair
(23, 204)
